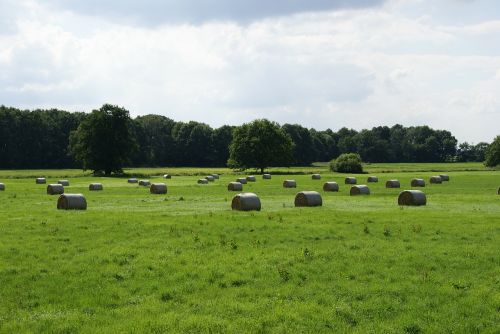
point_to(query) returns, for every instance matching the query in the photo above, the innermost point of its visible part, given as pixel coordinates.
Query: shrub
(493, 153)
(347, 163)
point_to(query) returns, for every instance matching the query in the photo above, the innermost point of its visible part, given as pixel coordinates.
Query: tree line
(49, 139)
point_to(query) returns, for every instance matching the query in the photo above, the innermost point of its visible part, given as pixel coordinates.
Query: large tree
(260, 144)
(493, 153)
(104, 140)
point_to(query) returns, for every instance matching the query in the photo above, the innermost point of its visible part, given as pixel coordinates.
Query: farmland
(185, 262)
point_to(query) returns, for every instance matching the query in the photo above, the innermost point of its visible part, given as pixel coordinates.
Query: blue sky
(320, 63)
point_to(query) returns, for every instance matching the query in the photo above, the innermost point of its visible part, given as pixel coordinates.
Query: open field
(184, 262)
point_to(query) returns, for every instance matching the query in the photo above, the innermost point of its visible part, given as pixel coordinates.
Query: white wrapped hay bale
(55, 189)
(251, 178)
(444, 177)
(72, 202)
(266, 176)
(209, 178)
(417, 182)
(215, 176)
(436, 180)
(95, 186)
(392, 184)
(350, 180)
(202, 181)
(40, 180)
(132, 180)
(308, 198)
(144, 183)
(64, 183)
(241, 180)
(289, 184)
(372, 179)
(167, 176)
(2, 187)
(360, 190)
(412, 197)
(246, 202)
(330, 186)
(316, 177)
(158, 188)
(234, 186)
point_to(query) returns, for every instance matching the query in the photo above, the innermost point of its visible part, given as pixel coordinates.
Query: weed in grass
(387, 231)
(366, 230)
(413, 329)
(307, 254)
(166, 297)
(181, 199)
(284, 274)
(417, 228)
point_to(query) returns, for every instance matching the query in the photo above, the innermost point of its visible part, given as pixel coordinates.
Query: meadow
(185, 262)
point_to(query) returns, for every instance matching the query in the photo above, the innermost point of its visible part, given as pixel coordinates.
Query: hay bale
(55, 189)
(289, 184)
(158, 188)
(202, 181)
(2, 187)
(417, 182)
(372, 179)
(316, 177)
(330, 186)
(209, 178)
(393, 184)
(498, 192)
(436, 180)
(360, 190)
(144, 183)
(234, 186)
(40, 180)
(72, 202)
(350, 180)
(251, 178)
(216, 176)
(266, 176)
(246, 202)
(412, 197)
(308, 198)
(167, 176)
(95, 186)
(64, 183)
(444, 177)
(132, 180)
(241, 180)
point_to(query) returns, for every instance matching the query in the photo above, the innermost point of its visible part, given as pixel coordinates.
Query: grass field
(184, 262)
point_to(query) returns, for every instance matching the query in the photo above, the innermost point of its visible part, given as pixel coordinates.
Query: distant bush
(347, 163)
(493, 153)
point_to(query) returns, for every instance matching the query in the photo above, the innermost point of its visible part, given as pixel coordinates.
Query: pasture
(185, 262)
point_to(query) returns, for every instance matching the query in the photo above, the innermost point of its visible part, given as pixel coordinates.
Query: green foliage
(104, 140)
(493, 153)
(260, 144)
(347, 163)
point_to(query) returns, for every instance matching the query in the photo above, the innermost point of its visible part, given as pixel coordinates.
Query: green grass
(184, 262)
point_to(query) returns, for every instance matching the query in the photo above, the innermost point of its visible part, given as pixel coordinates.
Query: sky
(319, 63)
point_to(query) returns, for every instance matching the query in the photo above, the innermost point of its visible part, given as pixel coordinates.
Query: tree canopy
(493, 153)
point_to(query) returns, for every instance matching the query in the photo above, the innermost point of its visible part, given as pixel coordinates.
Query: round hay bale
(216, 176)
(444, 177)
(40, 180)
(144, 183)
(202, 181)
(2, 187)
(289, 184)
(234, 186)
(266, 176)
(132, 180)
(209, 178)
(330, 186)
(308, 198)
(412, 197)
(436, 180)
(95, 186)
(316, 177)
(350, 180)
(72, 202)
(241, 180)
(372, 179)
(360, 190)
(251, 178)
(158, 188)
(393, 184)
(417, 182)
(64, 183)
(246, 202)
(167, 176)
(55, 189)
